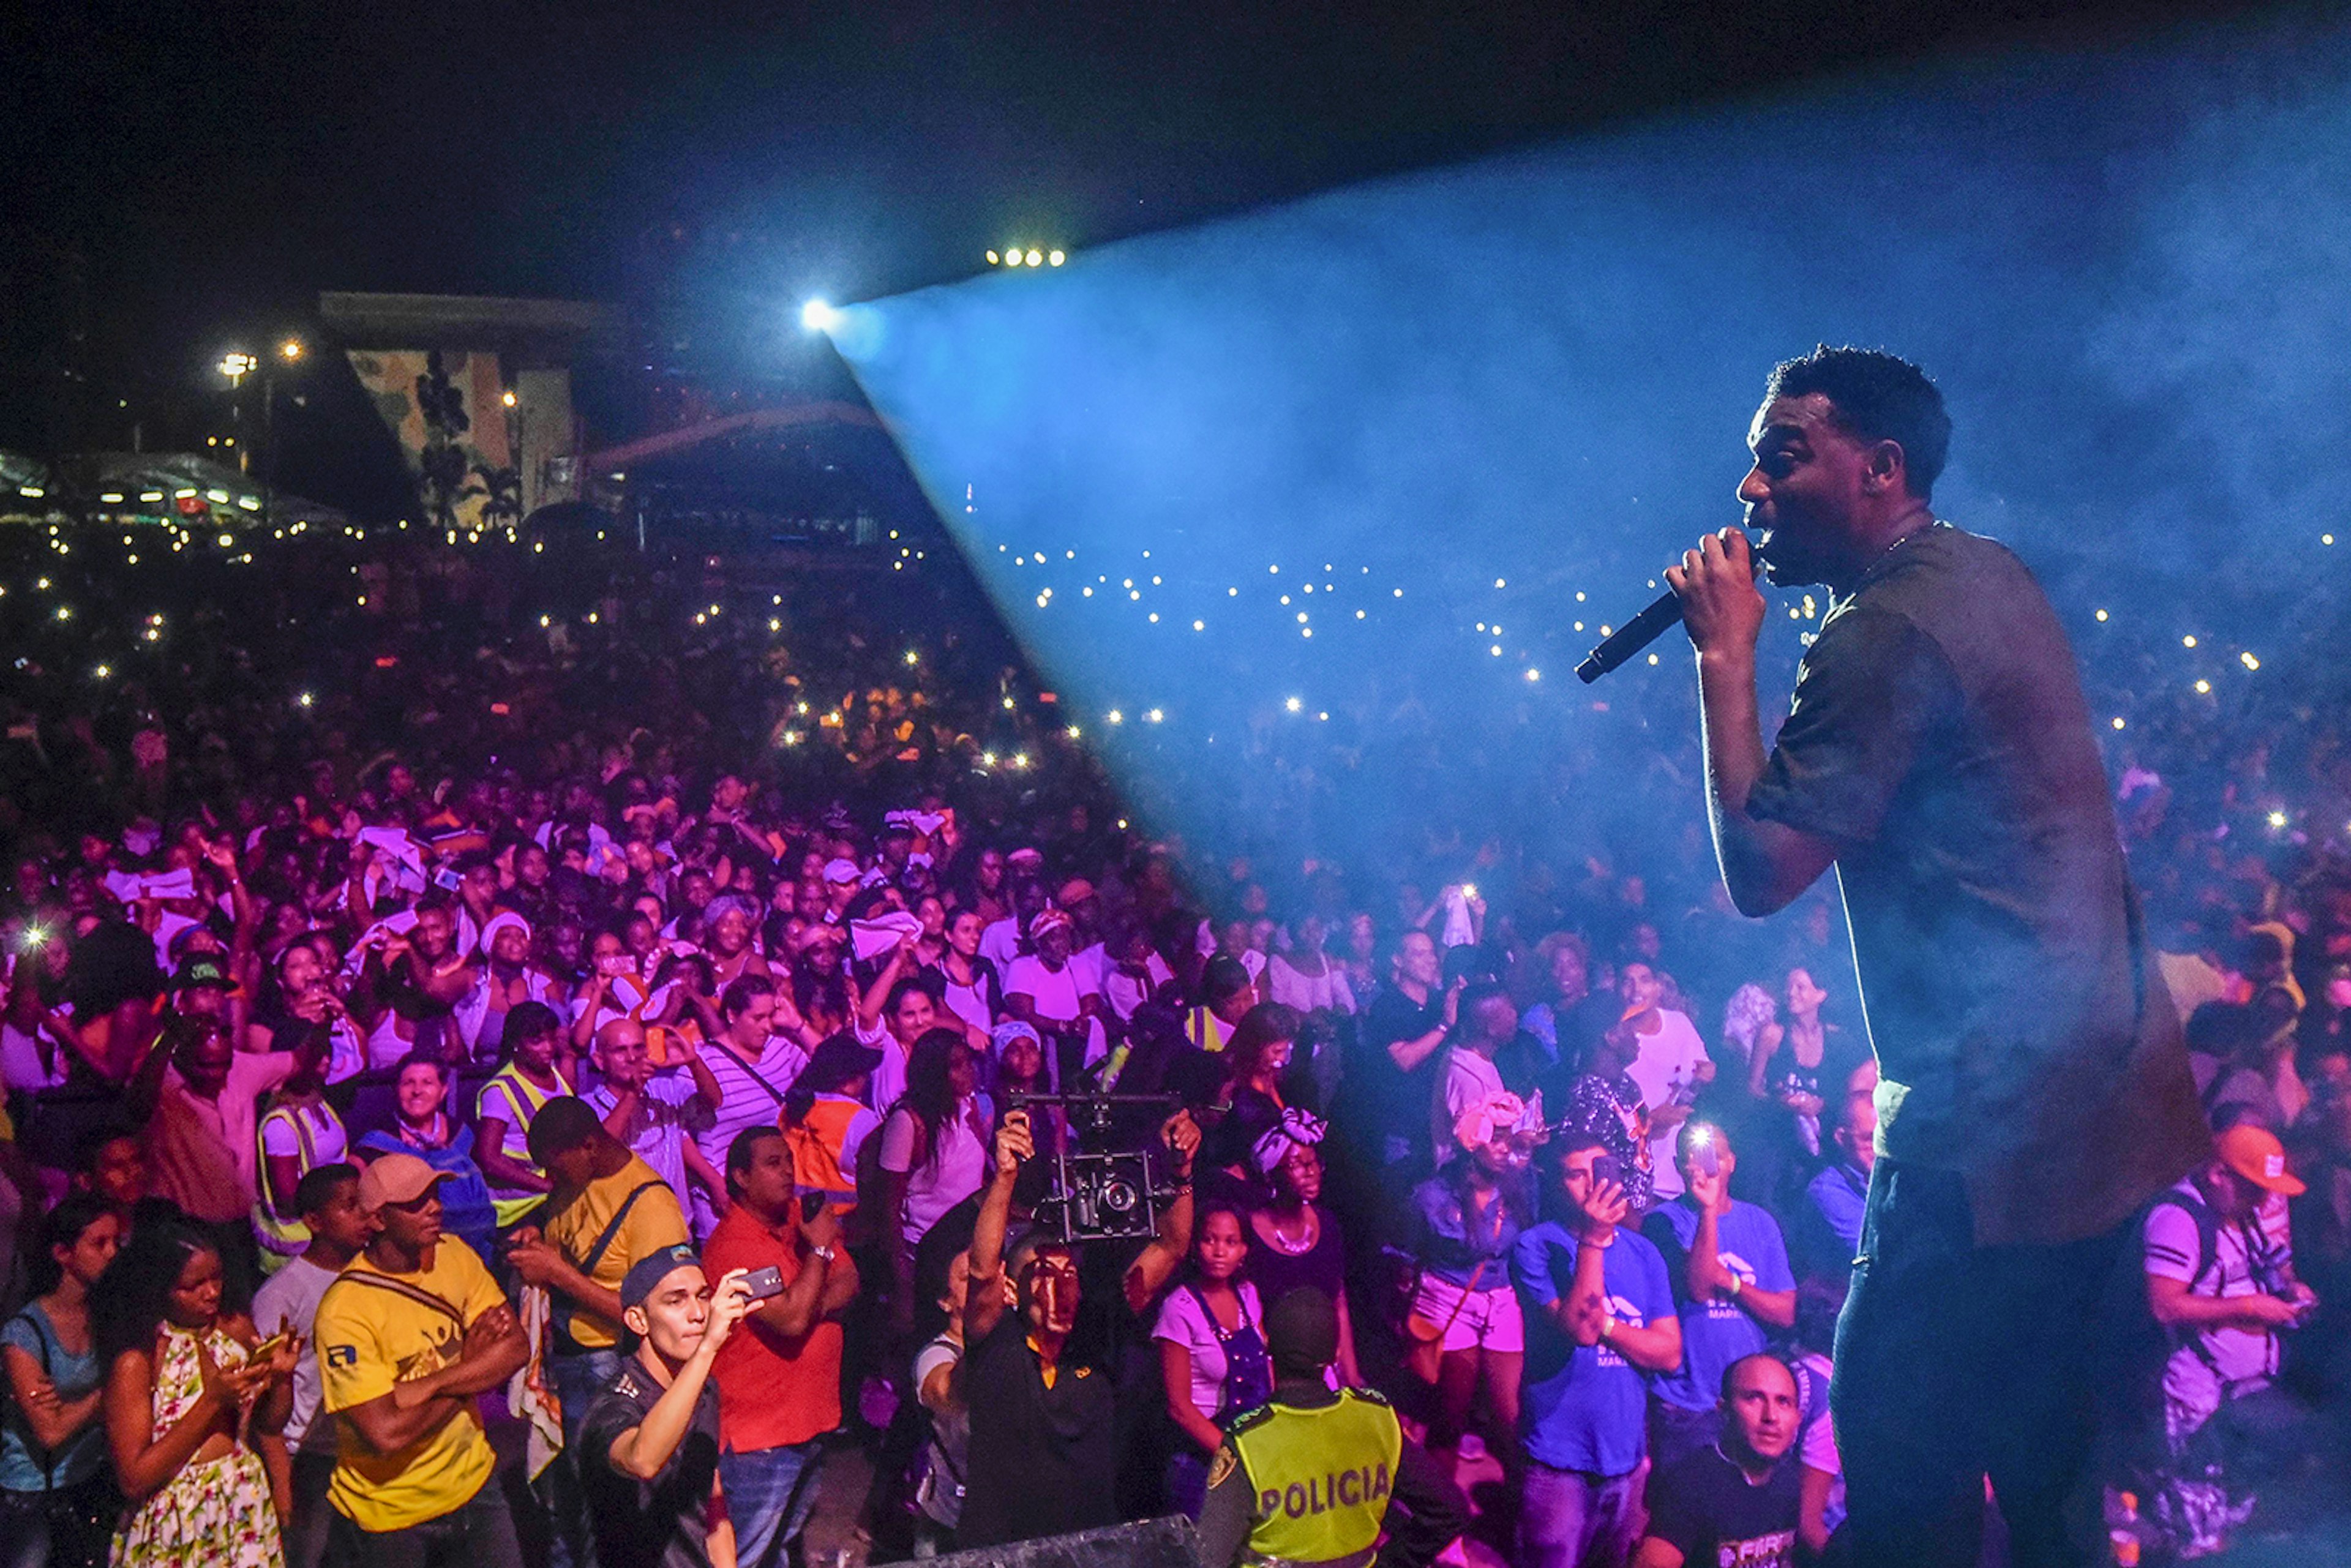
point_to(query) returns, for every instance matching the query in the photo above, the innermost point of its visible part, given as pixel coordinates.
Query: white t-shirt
(952, 1173)
(1665, 1068)
(2243, 1258)
(20, 1062)
(1125, 994)
(974, 1004)
(1468, 1082)
(660, 1123)
(327, 1143)
(940, 1496)
(290, 1299)
(889, 1079)
(1057, 996)
(1308, 992)
(1001, 944)
(748, 1102)
(1180, 1322)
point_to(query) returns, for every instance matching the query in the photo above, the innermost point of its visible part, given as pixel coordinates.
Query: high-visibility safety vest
(528, 1098)
(1206, 1030)
(816, 1145)
(283, 1238)
(1321, 1477)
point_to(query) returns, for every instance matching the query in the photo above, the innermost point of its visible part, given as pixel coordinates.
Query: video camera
(1111, 1178)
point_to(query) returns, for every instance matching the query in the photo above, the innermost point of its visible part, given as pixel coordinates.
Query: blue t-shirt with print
(1585, 1407)
(1719, 1332)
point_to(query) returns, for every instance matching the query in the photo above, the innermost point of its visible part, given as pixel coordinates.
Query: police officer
(1314, 1476)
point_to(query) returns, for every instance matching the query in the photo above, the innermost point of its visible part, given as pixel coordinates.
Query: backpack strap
(563, 1312)
(2208, 1231)
(416, 1293)
(604, 1242)
(2208, 1255)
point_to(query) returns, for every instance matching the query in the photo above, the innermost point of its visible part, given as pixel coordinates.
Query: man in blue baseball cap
(649, 1446)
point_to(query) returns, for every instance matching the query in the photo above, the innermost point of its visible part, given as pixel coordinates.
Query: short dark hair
(527, 1020)
(741, 992)
(562, 1124)
(741, 1152)
(317, 1185)
(1570, 1142)
(1224, 977)
(1876, 396)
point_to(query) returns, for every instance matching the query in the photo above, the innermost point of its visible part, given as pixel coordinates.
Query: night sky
(208, 168)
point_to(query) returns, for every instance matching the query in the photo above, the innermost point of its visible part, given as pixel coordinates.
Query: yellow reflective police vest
(1321, 1477)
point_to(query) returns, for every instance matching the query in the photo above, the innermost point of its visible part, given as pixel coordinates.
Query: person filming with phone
(1600, 1320)
(649, 1447)
(1732, 1287)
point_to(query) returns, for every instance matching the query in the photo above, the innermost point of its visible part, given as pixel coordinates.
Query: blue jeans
(770, 1492)
(1955, 1361)
(1572, 1519)
(477, 1533)
(577, 1380)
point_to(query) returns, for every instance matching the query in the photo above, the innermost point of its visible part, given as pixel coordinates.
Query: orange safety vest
(816, 1145)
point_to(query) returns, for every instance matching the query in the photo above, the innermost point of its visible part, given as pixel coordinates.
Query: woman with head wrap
(1293, 1241)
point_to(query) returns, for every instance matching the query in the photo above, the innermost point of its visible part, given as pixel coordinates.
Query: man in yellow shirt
(408, 1334)
(609, 1210)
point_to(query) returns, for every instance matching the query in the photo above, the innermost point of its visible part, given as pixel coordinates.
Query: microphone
(1663, 611)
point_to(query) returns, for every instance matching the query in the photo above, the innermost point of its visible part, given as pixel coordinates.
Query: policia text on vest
(1310, 1477)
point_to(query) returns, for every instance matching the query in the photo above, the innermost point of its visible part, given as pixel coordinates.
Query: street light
(236, 366)
(291, 349)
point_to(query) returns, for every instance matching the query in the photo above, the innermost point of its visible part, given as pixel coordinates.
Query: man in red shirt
(779, 1382)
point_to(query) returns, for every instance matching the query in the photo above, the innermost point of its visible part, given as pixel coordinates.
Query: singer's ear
(1885, 468)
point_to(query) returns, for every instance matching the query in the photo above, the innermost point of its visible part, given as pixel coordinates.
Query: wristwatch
(825, 1253)
(1737, 1285)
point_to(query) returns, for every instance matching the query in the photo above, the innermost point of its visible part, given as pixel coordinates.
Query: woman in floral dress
(182, 1398)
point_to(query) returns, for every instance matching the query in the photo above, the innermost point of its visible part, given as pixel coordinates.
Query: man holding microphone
(2033, 1091)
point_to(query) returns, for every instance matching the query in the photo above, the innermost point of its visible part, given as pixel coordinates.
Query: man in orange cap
(409, 1333)
(2220, 1279)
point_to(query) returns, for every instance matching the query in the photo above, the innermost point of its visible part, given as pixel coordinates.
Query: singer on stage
(2033, 1091)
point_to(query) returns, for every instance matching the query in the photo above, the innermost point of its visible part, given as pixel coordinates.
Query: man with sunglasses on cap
(1043, 1454)
(2222, 1286)
(649, 1447)
(408, 1333)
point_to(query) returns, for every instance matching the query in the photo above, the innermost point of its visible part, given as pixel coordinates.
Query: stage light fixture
(819, 317)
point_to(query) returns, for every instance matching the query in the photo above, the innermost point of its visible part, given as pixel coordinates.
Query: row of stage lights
(1016, 256)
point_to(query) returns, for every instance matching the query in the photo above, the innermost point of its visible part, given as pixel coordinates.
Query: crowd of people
(626, 1044)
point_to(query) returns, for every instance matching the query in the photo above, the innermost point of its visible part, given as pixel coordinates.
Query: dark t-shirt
(1321, 1267)
(1043, 1460)
(1940, 740)
(1397, 1102)
(659, 1523)
(1706, 1506)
